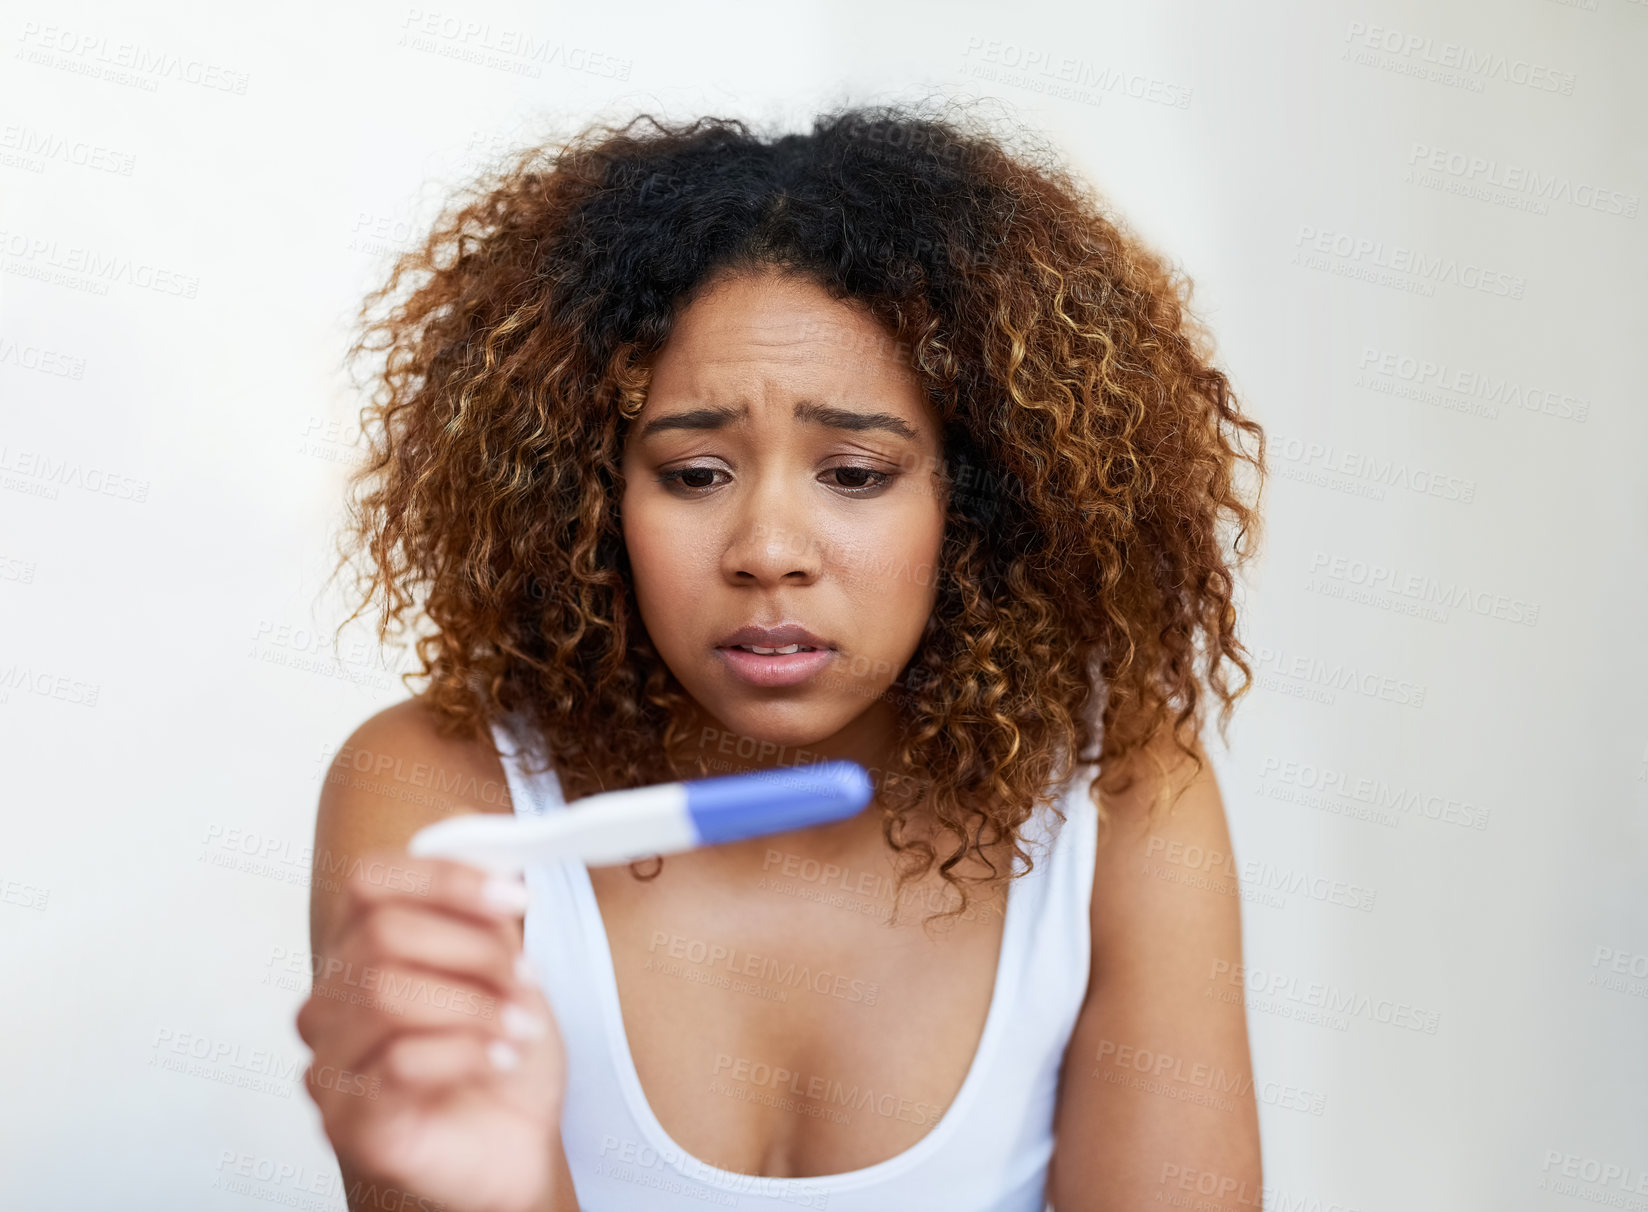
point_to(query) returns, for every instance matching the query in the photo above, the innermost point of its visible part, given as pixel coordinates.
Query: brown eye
(678, 479)
(861, 481)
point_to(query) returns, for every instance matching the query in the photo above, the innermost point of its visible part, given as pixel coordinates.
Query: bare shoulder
(1165, 829)
(397, 772)
(400, 771)
(1158, 778)
(1158, 1074)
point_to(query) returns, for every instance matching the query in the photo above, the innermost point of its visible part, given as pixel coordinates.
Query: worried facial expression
(784, 473)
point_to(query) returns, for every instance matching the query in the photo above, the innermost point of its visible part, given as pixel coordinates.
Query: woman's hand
(438, 1070)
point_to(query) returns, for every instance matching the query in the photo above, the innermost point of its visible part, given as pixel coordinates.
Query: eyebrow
(805, 410)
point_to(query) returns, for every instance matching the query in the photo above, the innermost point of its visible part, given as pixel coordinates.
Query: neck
(870, 740)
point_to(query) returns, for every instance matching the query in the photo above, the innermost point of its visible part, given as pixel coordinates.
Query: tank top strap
(1066, 838)
(533, 791)
(1077, 852)
(1081, 817)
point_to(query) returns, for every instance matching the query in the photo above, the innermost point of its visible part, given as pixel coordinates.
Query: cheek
(891, 569)
(641, 542)
(666, 560)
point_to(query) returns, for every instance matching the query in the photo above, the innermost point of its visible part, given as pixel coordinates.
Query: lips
(790, 654)
(781, 636)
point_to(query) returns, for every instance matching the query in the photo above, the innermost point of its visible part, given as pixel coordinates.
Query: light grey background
(1416, 231)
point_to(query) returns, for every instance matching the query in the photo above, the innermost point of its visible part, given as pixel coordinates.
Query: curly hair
(1092, 449)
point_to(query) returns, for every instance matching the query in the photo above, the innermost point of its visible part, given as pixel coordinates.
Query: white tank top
(989, 1151)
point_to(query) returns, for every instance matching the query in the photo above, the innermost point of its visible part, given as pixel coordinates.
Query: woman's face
(784, 472)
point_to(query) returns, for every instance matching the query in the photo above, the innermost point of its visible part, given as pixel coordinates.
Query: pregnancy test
(622, 826)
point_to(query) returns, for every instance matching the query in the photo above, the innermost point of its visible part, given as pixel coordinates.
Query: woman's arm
(1156, 1099)
(392, 777)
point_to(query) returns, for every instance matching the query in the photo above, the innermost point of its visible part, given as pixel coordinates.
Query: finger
(421, 1076)
(357, 995)
(537, 1083)
(415, 936)
(414, 1069)
(407, 1000)
(441, 884)
(432, 1061)
(528, 1058)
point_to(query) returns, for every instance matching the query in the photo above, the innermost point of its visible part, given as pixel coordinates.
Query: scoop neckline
(635, 1097)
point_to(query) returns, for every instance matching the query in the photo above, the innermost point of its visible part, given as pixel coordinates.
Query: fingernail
(522, 1023)
(502, 1055)
(505, 893)
(523, 970)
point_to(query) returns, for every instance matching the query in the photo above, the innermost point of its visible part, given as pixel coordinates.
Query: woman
(707, 453)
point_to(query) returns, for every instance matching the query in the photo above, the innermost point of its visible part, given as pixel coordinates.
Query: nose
(773, 542)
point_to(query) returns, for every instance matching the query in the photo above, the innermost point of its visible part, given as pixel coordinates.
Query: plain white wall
(1416, 231)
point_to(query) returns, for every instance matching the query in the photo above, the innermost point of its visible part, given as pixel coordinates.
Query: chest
(778, 1025)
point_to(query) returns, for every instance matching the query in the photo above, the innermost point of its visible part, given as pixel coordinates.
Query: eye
(862, 481)
(854, 481)
(678, 479)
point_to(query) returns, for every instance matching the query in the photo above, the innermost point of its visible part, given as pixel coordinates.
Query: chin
(771, 726)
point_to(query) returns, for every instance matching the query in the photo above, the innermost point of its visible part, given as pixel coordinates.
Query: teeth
(785, 651)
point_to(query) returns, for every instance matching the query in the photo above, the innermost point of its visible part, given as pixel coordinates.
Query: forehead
(753, 329)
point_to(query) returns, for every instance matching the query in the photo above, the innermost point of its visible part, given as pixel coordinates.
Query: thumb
(530, 1063)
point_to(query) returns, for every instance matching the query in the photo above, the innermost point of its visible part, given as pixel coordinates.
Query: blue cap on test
(734, 807)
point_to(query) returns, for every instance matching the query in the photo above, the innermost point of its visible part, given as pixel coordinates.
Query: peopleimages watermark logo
(309, 650)
(815, 1095)
(1454, 64)
(1375, 800)
(1363, 473)
(514, 51)
(27, 896)
(1045, 70)
(261, 1070)
(78, 267)
(1619, 971)
(1464, 389)
(1319, 1002)
(1189, 1080)
(309, 1188)
(47, 684)
(129, 63)
(1397, 265)
(37, 474)
(1509, 184)
(31, 150)
(53, 362)
(1225, 1193)
(1195, 866)
(769, 978)
(676, 1172)
(17, 569)
(1611, 1184)
(1388, 587)
(1305, 676)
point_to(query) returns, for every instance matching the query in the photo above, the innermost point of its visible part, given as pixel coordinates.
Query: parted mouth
(784, 638)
